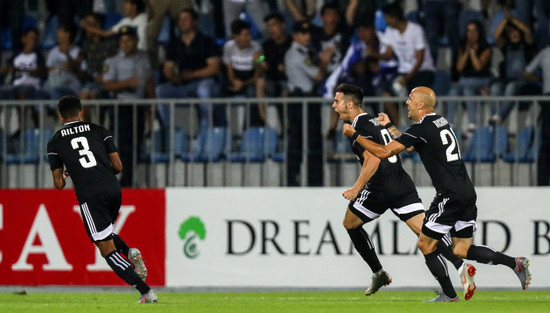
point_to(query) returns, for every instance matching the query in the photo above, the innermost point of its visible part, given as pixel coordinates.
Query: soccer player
(454, 207)
(383, 185)
(89, 154)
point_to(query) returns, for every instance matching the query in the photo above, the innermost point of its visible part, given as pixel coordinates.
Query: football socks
(124, 270)
(445, 247)
(365, 247)
(488, 255)
(120, 245)
(438, 267)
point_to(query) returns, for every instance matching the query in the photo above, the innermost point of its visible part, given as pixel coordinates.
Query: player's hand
(383, 119)
(65, 174)
(348, 130)
(350, 194)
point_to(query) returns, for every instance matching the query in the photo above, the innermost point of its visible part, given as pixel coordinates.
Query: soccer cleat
(149, 297)
(441, 297)
(137, 262)
(522, 270)
(467, 278)
(378, 280)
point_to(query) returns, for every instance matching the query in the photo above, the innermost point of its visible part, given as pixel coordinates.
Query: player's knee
(426, 247)
(352, 223)
(460, 251)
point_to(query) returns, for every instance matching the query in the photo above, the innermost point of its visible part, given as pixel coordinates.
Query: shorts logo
(191, 231)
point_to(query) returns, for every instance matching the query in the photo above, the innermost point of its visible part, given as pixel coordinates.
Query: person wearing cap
(128, 76)
(302, 74)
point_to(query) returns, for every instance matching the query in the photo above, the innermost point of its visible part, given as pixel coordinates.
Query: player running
(454, 207)
(383, 185)
(89, 154)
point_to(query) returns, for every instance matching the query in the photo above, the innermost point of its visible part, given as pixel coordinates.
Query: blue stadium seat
(211, 145)
(257, 143)
(525, 149)
(49, 37)
(379, 21)
(482, 146)
(161, 155)
(28, 151)
(164, 35)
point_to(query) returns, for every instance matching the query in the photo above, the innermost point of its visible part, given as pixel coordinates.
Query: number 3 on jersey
(449, 138)
(81, 144)
(387, 139)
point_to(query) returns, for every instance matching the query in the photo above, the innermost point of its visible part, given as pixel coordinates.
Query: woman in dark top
(473, 65)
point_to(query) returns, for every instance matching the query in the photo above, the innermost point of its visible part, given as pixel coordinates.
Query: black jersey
(84, 150)
(436, 143)
(390, 178)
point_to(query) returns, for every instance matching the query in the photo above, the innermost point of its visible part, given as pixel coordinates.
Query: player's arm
(58, 178)
(380, 151)
(384, 121)
(116, 163)
(369, 167)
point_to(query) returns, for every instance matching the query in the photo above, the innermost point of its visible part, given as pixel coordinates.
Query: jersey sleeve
(365, 131)
(53, 157)
(412, 136)
(109, 141)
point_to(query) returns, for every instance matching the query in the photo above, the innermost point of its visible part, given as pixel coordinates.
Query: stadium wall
(253, 237)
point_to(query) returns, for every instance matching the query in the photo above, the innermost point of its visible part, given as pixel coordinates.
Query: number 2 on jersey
(81, 144)
(448, 138)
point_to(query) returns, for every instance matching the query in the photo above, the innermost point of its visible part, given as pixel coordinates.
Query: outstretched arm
(380, 151)
(384, 120)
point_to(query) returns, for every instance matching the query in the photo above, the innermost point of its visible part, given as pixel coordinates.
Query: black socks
(124, 270)
(444, 246)
(438, 268)
(365, 247)
(488, 255)
(120, 245)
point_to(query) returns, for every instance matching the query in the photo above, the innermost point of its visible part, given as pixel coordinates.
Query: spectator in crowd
(241, 57)
(67, 10)
(301, 11)
(302, 75)
(134, 16)
(128, 75)
(441, 18)
(157, 10)
(509, 8)
(407, 42)
(541, 62)
(27, 68)
(334, 34)
(12, 14)
(274, 48)
(358, 12)
(64, 64)
(94, 51)
(515, 41)
(192, 69)
(257, 9)
(473, 66)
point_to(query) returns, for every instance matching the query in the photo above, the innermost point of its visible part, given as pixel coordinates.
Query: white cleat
(137, 261)
(467, 278)
(149, 297)
(379, 280)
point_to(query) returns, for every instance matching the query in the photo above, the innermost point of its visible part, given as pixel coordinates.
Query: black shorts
(369, 206)
(446, 214)
(99, 215)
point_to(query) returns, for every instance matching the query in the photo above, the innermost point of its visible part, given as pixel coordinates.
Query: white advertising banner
(293, 237)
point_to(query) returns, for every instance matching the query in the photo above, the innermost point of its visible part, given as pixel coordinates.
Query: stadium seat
(27, 150)
(164, 35)
(482, 146)
(211, 145)
(257, 143)
(49, 37)
(162, 146)
(525, 147)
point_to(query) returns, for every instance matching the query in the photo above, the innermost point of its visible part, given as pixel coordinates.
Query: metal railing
(169, 154)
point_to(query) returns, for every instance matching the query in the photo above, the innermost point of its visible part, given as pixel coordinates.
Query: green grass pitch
(260, 302)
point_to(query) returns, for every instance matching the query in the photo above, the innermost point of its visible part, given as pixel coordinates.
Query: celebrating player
(90, 156)
(454, 207)
(382, 185)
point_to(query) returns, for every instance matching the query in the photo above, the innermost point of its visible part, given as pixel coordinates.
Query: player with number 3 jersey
(90, 157)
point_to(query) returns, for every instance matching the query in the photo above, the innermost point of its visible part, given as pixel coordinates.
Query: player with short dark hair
(88, 153)
(383, 185)
(454, 206)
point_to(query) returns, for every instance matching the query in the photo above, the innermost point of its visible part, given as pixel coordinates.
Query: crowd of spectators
(278, 48)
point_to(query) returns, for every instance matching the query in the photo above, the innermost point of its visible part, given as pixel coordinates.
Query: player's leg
(353, 222)
(132, 254)
(124, 270)
(464, 248)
